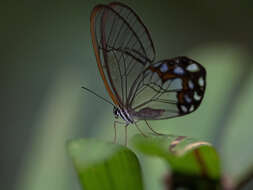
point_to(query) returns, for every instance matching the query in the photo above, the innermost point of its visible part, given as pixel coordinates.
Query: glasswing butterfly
(140, 88)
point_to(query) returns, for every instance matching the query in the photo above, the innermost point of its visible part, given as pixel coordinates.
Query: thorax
(124, 114)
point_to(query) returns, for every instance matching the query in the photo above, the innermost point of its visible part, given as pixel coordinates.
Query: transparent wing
(167, 89)
(138, 42)
(123, 48)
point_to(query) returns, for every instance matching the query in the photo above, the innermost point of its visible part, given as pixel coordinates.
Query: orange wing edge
(95, 47)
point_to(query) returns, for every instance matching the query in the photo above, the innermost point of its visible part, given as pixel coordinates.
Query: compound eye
(115, 112)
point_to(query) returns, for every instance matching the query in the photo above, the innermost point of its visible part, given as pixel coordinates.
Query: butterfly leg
(143, 134)
(126, 134)
(115, 130)
(152, 129)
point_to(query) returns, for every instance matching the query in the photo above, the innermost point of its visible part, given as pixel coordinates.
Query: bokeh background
(46, 56)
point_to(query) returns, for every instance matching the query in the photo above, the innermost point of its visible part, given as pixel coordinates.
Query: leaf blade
(105, 165)
(189, 159)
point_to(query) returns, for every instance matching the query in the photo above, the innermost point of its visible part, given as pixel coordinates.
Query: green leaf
(105, 166)
(193, 163)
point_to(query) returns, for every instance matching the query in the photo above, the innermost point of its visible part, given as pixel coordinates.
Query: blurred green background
(47, 55)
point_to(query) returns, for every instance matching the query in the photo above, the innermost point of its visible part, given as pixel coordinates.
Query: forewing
(123, 48)
(167, 89)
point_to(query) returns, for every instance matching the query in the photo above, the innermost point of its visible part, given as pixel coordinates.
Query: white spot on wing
(201, 81)
(164, 68)
(191, 108)
(196, 96)
(187, 98)
(179, 70)
(184, 108)
(190, 84)
(192, 67)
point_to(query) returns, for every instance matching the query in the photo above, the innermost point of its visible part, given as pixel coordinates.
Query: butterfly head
(116, 112)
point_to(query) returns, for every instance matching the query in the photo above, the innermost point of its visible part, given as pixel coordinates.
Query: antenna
(94, 93)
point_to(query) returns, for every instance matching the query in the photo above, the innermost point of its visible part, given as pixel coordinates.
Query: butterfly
(141, 88)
